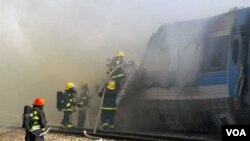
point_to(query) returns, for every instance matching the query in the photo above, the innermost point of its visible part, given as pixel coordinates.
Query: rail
(118, 135)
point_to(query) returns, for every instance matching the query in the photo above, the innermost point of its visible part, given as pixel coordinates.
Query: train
(194, 75)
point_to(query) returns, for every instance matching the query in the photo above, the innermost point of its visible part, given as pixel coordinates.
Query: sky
(45, 43)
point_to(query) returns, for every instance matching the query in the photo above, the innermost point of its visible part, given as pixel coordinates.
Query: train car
(194, 75)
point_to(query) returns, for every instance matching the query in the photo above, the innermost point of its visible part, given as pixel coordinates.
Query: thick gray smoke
(173, 55)
(175, 51)
(44, 44)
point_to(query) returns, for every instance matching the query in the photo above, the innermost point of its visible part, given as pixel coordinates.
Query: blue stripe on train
(212, 78)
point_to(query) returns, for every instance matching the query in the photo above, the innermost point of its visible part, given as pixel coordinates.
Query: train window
(215, 54)
(235, 53)
(216, 60)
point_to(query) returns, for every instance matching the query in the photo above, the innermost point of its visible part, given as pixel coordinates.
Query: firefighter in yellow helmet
(68, 102)
(109, 105)
(117, 72)
(118, 59)
(120, 53)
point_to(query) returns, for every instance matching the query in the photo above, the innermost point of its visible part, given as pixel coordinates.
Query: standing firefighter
(68, 103)
(109, 105)
(116, 75)
(83, 104)
(35, 121)
(110, 91)
(117, 69)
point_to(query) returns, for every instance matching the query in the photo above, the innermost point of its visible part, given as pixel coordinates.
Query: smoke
(173, 55)
(179, 47)
(44, 44)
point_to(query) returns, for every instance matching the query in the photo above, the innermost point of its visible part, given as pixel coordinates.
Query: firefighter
(68, 104)
(118, 59)
(117, 69)
(109, 105)
(83, 104)
(37, 121)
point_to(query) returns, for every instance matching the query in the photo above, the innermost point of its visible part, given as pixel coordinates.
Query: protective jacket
(69, 100)
(38, 119)
(109, 101)
(117, 72)
(83, 99)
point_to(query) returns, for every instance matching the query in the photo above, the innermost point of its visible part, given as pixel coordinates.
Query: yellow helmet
(120, 53)
(111, 85)
(69, 85)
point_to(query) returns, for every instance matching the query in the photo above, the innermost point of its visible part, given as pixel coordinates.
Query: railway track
(115, 135)
(118, 135)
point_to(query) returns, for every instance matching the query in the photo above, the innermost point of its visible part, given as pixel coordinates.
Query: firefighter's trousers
(81, 118)
(107, 118)
(67, 119)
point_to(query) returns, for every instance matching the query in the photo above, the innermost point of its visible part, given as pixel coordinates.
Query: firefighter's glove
(43, 129)
(100, 93)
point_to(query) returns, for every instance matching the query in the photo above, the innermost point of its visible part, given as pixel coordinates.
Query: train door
(234, 65)
(239, 64)
(245, 98)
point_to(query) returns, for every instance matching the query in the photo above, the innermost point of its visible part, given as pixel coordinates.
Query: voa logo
(236, 132)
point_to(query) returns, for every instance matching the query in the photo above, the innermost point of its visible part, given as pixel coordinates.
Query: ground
(18, 135)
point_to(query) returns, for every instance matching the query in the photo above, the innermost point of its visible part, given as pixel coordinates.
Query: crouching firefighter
(34, 121)
(68, 102)
(109, 105)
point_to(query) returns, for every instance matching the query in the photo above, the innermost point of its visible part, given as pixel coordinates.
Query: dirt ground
(18, 135)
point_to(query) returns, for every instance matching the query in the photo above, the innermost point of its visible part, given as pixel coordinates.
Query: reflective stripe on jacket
(68, 102)
(38, 119)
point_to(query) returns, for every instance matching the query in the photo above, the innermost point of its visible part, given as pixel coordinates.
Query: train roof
(220, 25)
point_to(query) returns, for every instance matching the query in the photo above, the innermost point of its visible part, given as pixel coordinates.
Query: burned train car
(194, 75)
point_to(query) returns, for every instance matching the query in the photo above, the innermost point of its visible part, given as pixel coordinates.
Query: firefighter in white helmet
(83, 104)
